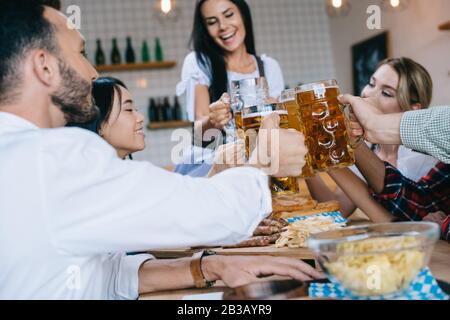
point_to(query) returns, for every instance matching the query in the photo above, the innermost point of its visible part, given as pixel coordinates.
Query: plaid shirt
(427, 131)
(409, 200)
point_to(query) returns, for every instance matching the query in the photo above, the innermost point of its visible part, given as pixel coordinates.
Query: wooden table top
(300, 253)
(439, 265)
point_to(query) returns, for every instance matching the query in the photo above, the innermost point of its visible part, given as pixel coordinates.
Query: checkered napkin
(424, 287)
(338, 218)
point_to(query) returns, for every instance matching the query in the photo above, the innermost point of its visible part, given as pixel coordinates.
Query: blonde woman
(397, 85)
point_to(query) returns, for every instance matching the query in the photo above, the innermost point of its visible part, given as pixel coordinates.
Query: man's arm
(159, 275)
(375, 126)
(427, 131)
(97, 203)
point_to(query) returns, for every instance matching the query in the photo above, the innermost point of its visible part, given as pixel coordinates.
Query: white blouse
(413, 165)
(193, 75)
(69, 208)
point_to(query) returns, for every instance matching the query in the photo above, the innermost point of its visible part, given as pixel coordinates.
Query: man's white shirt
(69, 208)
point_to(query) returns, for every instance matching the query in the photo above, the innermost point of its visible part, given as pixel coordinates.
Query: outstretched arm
(426, 130)
(159, 275)
(358, 192)
(371, 167)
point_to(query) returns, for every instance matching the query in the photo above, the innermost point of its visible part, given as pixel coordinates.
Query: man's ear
(45, 67)
(416, 106)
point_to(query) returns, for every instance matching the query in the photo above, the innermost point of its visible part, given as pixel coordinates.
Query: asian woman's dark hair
(210, 55)
(104, 90)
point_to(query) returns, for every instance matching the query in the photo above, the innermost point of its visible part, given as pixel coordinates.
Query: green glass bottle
(145, 52)
(115, 53)
(129, 53)
(99, 54)
(159, 55)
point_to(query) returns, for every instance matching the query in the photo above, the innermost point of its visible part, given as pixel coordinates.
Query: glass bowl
(377, 259)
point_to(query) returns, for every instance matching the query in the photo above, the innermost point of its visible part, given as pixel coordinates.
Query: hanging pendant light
(394, 5)
(338, 8)
(165, 10)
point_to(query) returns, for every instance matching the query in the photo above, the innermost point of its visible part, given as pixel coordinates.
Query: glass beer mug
(247, 93)
(252, 117)
(288, 99)
(323, 120)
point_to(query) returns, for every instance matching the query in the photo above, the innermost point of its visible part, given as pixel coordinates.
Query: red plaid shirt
(409, 200)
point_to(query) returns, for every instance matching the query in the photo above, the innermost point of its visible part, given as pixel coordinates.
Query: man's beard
(72, 96)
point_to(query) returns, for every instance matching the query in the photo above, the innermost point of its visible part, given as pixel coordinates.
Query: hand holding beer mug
(228, 156)
(278, 152)
(363, 111)
(355, 130)
(289, 101)
(281, 152)
(220, 112)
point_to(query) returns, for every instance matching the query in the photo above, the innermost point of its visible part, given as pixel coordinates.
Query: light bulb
(395, 3)
(142, 83)
(336, 3)
(166, 6)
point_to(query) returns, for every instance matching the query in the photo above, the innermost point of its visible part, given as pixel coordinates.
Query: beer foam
(307, 88)
(265, 113)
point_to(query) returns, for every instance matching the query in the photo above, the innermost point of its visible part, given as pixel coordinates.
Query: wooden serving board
(299, 253)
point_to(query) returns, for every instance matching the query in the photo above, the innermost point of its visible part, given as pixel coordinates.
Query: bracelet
(196, 269)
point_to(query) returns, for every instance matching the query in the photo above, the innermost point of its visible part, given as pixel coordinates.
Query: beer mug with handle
(289, 102)
(245, 93)
(323, 119)
(252, 118)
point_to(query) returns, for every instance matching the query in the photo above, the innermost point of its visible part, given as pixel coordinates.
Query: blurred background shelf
(168, 125)
(137, 66)
(445, 26)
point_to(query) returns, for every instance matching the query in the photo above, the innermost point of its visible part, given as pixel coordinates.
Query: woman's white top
(413, 165)
(192, 75)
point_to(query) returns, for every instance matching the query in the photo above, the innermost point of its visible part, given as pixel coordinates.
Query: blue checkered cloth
(338, 218)
(424, 287)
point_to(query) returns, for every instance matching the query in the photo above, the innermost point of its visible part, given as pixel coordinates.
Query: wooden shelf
(136, 66)
(168, 125)
(445, 26)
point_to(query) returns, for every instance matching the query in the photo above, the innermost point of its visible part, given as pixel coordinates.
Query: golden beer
(290, 104)
(238, 119)
(251, 124)
(323, 120)
(239, 130)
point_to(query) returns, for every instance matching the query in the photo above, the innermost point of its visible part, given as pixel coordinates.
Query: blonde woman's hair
(414, 85)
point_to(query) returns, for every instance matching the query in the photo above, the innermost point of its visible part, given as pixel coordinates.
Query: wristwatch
(196, 269)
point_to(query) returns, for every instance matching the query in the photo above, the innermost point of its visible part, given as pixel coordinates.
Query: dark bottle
(167, 110)
(176, 110)
(130, 57)
(99, 54)
(152, 110)
(159, 111)
(145, 52)
(159, 55)
(115, 54)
